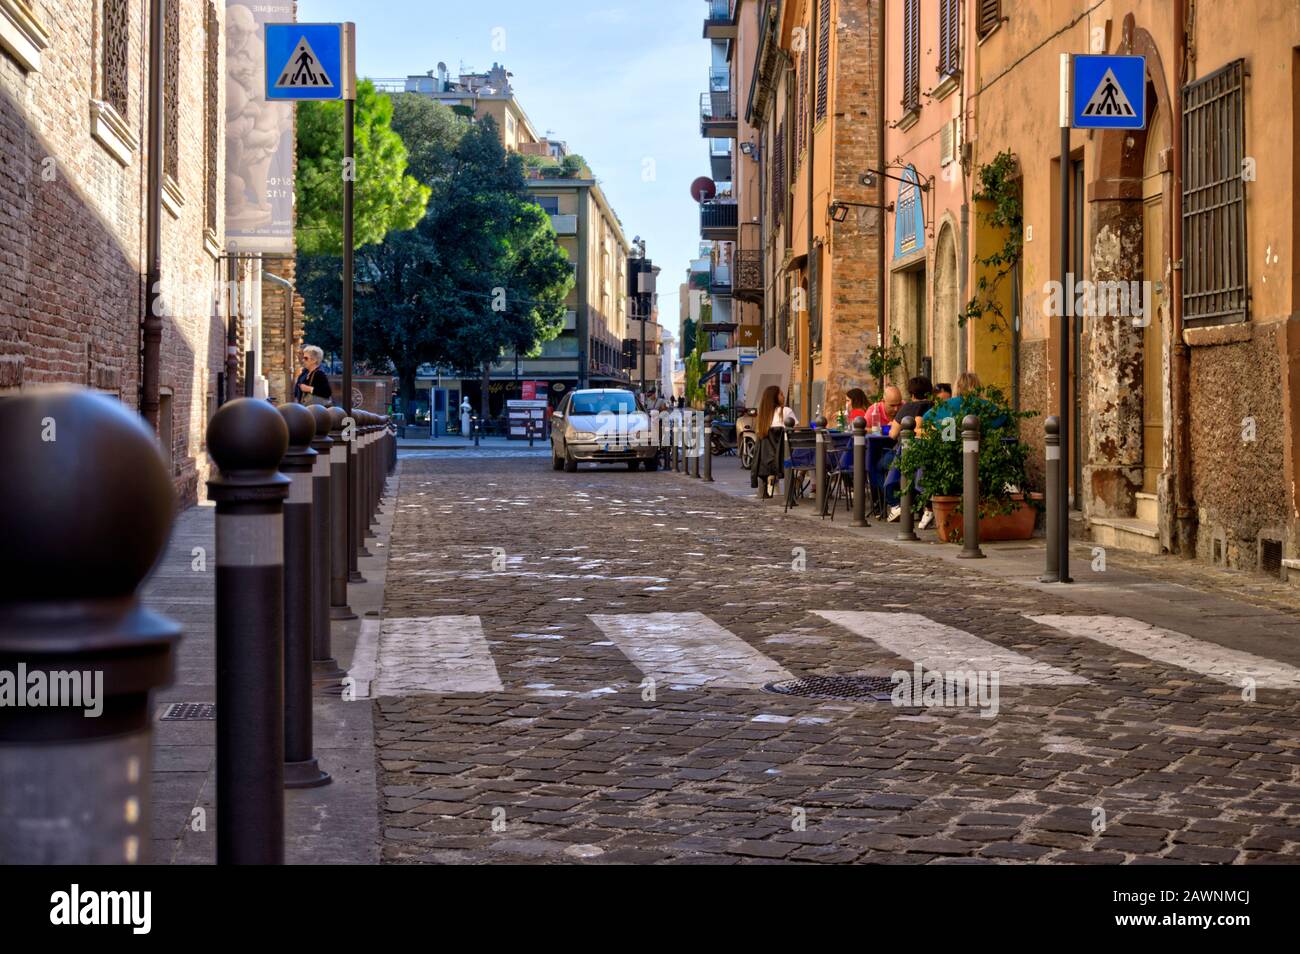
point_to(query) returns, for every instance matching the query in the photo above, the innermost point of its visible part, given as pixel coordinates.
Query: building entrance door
(1153, 336)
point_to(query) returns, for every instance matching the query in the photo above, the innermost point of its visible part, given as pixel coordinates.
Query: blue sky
(619, 81)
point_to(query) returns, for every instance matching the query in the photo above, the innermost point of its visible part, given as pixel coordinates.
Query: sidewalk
(334, 824)
(1243, 611)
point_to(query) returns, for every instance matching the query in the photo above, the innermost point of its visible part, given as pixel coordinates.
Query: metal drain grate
(859, 688)
(189, 712)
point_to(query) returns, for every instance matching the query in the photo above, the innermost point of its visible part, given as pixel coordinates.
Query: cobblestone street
(570, 667)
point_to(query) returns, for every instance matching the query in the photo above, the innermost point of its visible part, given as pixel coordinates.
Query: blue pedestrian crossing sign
(310, 61)
(1108, 92)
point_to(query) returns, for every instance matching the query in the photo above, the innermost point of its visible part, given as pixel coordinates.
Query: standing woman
(313, 385)
(769, 455)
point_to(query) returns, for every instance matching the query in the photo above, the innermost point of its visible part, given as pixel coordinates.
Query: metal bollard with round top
(907, 430)
(819, 466)
(323, 663)
(339, 532)
(708, 449)
(360, 444)
(970, 458)
(300, 767)
(87, 503)
(247, 439)
(859, 428)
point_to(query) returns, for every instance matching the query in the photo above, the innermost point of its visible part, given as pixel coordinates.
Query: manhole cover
(861, 688)
(189, 712)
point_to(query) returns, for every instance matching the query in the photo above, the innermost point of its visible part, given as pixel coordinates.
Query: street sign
(747, 356)
(310, 61)
(1108, 92)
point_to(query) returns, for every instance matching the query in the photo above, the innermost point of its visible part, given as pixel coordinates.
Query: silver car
(601, 425)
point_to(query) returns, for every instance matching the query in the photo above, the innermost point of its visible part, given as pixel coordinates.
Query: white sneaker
(927, 519)
(894, 514)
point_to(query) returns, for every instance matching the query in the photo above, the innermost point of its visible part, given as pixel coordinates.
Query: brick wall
(853, 276)
(72, 228)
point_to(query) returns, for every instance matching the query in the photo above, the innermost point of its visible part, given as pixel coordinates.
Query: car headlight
(581, 436)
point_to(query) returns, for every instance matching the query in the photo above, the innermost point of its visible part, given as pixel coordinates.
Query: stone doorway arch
(1114, 369)
(946, 327)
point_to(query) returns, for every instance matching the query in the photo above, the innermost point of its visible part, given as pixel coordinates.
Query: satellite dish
(703, 189)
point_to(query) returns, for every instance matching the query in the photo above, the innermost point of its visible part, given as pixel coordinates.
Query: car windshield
(604, 402)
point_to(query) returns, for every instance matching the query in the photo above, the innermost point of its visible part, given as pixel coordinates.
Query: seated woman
(769, 456)
(967, 384)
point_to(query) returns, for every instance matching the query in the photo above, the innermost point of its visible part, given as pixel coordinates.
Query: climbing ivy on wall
(999, 187)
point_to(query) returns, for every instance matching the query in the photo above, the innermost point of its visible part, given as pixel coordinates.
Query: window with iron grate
(114, 53)
(171, 89)
(1216, 288)
(211, 127)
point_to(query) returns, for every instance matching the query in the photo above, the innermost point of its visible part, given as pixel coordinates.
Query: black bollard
(361, 508)
(300, 767)
(690, 434)
(970, 474)
(339, 559)
(352, 437)
(860, 472)
(819, 467)
(674, 440)
(474, 426)
(1052, 501)
(708, 449)
(247, 438)
(907, 428)
(86, 502)
(323, 663)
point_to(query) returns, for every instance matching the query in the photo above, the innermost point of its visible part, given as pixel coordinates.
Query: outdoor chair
(800, 462)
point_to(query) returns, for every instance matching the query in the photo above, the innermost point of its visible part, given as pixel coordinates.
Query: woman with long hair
(856, 404)
(769, 455)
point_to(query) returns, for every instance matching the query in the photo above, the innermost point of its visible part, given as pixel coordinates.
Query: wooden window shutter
(990, 16)
(949, 37)
(823, 60)
(911, 55)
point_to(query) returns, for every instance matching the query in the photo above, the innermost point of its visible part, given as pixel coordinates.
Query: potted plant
(1007, 510)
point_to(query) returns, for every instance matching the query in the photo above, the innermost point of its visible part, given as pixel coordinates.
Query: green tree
(688, 336)
(430, 131)
(479, 276)
(386, 198)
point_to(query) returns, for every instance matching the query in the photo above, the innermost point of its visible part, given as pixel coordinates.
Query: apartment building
(589, 352)
(1184, 413)
(813, 100)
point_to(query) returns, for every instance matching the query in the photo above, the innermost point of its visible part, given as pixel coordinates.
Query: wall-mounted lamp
(869, 179)
(750, 149)
(839, 210)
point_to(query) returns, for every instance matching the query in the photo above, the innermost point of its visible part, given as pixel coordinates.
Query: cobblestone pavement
(576, 664)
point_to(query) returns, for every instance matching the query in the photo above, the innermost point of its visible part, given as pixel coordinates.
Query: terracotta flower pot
(1016, 525)
(947, 518)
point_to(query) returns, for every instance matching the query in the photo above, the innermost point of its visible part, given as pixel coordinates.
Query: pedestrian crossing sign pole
(318, 61)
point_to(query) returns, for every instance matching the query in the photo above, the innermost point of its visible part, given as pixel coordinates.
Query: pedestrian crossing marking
(1230, 666)
(939, 647)
(433, 654)
(1108, 98)
(689, 649)
(303, 70)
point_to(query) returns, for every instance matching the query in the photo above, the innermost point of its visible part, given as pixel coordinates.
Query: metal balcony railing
(748, 273)
(720, 278)
(717, 107)
(717, 216)
(719, 11)
(720, 79)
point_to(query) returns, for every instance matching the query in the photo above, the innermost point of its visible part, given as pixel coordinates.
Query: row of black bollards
(296, 490)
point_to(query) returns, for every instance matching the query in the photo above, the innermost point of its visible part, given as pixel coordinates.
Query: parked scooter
(739, 436)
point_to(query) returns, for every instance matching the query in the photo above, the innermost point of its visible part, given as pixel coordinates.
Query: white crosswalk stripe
(1230, 666)
(433, 654)
(938, 647)
(688, 649)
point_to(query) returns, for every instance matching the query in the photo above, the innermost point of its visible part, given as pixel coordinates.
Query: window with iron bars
(1215, 285)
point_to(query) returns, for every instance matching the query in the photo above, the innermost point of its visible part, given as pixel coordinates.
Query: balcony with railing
(718, 221)
(720, 21)
(720, 157)
(720, 278)
(718, 114)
